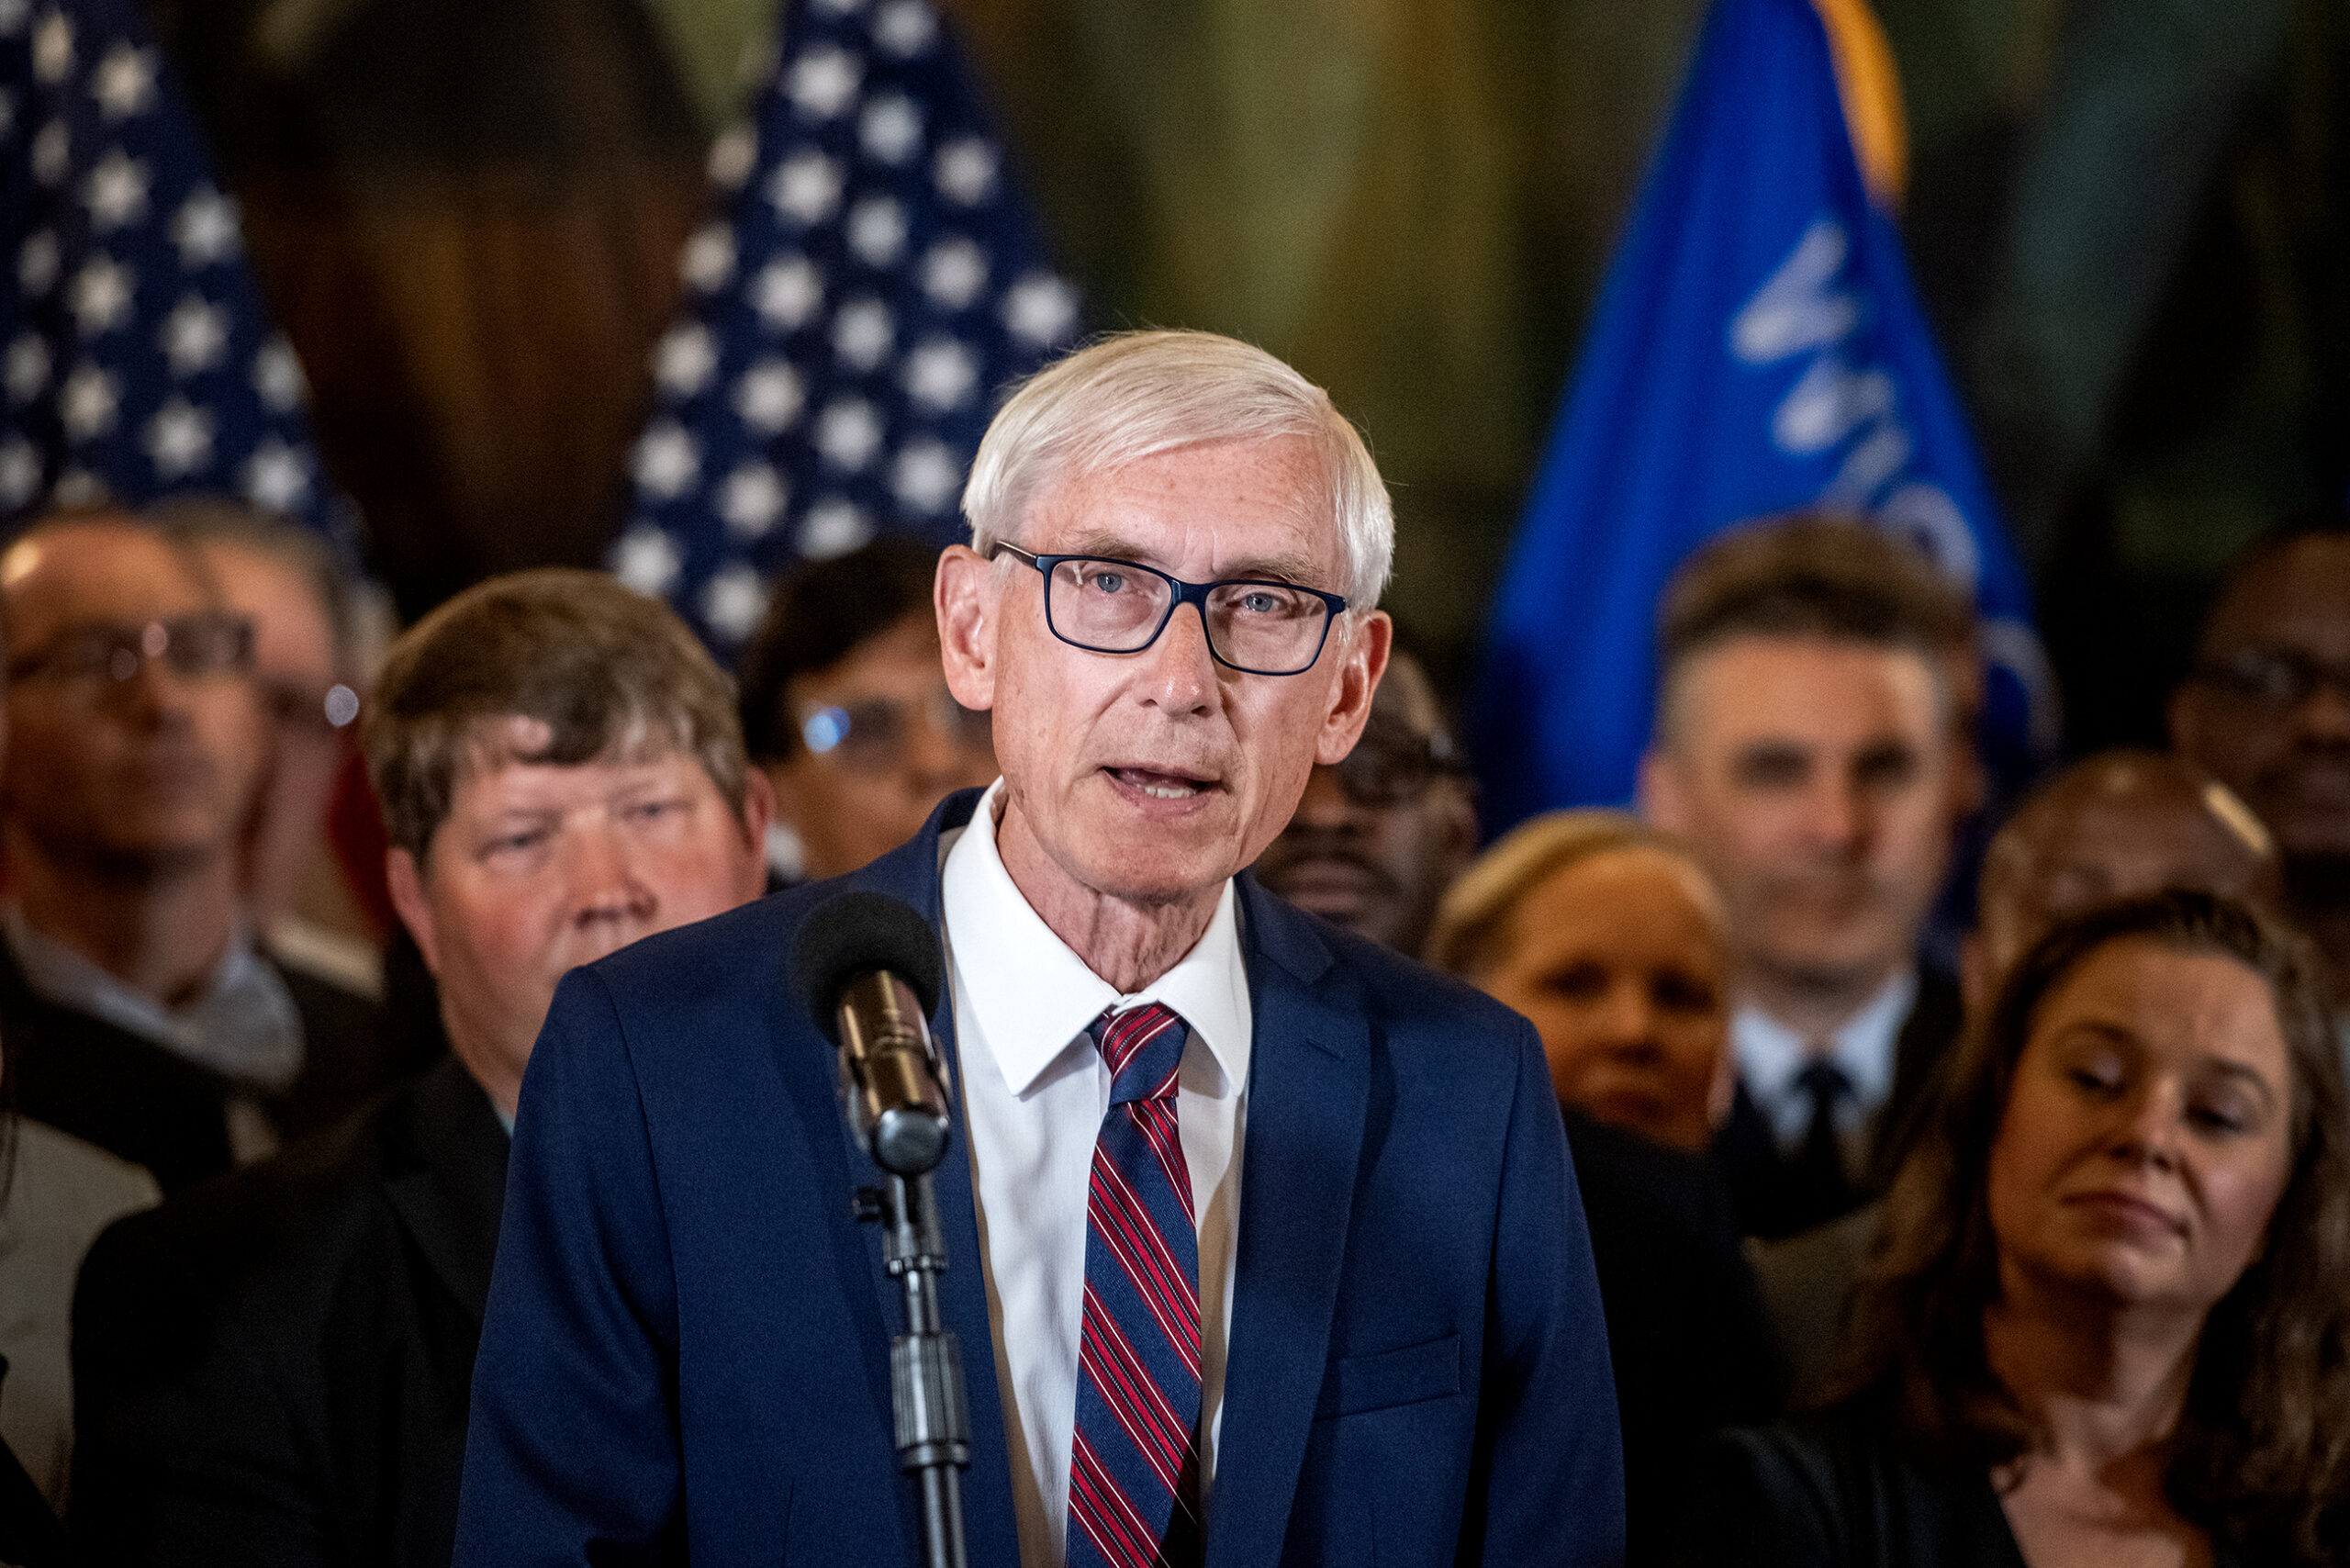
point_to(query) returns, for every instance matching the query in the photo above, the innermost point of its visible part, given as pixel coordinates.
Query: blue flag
(1757, 348)
(139, 360)
(852, 321)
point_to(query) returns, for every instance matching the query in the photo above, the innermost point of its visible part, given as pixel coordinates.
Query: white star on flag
(788, 291)
(123, 84)
(753, 499)
(277, 376)
(647, 560)
(835, 527)
(117, 192)
(204, 229)
(708, 260)
(195, 336)
(88, 402)
(848, 433)
(685, 359)
(667, 460)
(770, 398)
(179, 437)
(276, 477)
(806, 188)
(863, 334)
(28, 367)
(53, 48)
(733, 602)
(101, 296)
(825, 82)
(940, 374)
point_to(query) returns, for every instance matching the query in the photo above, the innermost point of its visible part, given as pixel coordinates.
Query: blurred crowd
(260, 1077)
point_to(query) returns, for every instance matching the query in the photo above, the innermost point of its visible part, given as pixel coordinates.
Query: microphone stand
(925, 1365)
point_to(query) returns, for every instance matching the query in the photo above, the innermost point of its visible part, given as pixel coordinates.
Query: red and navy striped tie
(1134, 1475)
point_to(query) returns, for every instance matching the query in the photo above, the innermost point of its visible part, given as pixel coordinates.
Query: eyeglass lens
(1115, 607)
(193, 646)
(872, 734)
(2277, 677)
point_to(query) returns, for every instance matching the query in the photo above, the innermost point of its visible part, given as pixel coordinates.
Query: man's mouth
(1160, 785)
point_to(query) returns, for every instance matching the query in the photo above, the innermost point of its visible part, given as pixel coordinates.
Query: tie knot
(1825, 1082)
(1143, 1047)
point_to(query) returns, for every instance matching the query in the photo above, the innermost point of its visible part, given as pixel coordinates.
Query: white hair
(1135, 395)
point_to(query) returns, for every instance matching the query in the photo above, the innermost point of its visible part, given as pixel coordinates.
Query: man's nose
(604, 883)
(1834, 812)
(1183, 670)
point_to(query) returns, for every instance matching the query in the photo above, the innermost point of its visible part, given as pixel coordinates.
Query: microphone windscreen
(855, 933)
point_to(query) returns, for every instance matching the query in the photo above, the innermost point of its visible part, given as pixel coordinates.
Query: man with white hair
(1266, 1247)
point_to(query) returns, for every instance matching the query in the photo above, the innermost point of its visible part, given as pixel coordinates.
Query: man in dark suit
(1356, 1323)
(274, 1367)
(143, 1017)
(1817, 683)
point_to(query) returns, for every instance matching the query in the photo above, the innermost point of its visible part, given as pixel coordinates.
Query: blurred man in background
(2115, 825)
(2268, 711)
(845, 710)
(277, 1367)
(142, 1016)
(306, 613)
(1379, 838)
(1809, 748)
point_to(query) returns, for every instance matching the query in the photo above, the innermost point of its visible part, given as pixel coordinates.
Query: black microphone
(867, 968)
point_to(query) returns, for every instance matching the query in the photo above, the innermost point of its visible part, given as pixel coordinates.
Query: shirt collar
(242, 1024)
(1035, 996)
(1770, 1053)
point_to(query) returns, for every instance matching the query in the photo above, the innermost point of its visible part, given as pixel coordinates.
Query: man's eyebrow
(1285, 568)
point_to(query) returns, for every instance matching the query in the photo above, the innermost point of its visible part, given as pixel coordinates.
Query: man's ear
(1662, 794)
(415, 910)
(1361, 664)
(964, 594)
(759, 810)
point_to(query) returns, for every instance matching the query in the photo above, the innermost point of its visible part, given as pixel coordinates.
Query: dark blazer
(1763, 1182)
(274, 1367)
(687, 1350)
(1687, 1332)
(1841, 1491)
(140, 1102)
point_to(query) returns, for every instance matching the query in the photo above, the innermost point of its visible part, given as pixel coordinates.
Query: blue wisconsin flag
(139, 361)
(874, 284)
(1757, 347)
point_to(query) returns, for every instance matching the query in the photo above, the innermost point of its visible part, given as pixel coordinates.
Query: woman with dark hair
(2108, 1320)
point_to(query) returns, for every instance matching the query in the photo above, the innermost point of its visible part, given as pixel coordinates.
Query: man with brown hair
(277, 1367)
(1810, 744)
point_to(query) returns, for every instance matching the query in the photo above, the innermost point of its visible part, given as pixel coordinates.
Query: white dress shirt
(1771, 1056)
(1035, 1091)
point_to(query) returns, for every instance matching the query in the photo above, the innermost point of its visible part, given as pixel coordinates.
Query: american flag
(139, 362)
(850, 323)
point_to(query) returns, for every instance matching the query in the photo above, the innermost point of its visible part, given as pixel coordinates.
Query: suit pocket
(1407, 1375)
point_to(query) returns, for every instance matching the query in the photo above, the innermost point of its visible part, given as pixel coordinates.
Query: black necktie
(1821, 1191)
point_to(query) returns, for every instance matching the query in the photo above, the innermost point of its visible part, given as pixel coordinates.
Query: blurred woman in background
(1609, 938)
(2107, 1322)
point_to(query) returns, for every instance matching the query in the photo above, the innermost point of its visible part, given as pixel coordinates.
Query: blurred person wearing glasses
(1378, 838)
(845, 710)
(2266, 710)
(143, 1017)
(308, 625)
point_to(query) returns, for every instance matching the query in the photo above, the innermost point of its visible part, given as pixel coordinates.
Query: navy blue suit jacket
(686, 1349)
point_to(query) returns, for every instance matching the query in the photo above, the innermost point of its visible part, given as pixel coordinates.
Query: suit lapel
(449, 1186)
(1309, 1077)
(910, 874)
